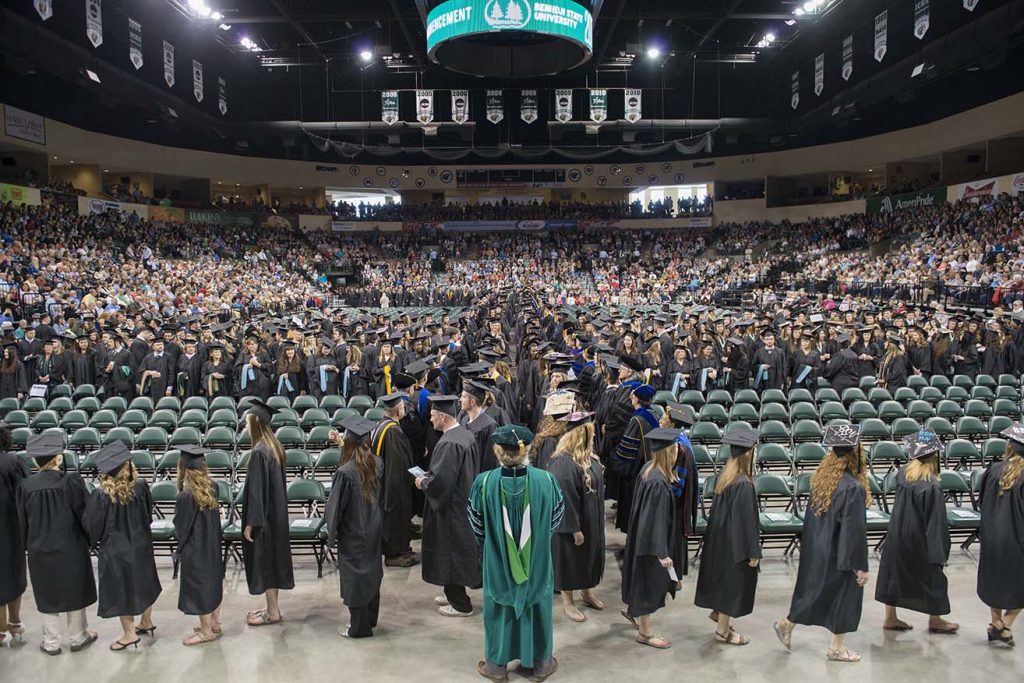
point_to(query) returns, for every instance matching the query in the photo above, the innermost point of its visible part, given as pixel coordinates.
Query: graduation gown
(806, 368)
(392, 449)
(51, 367)
(81, 367)
(13, 579)
(630, 455)
(213, 387)
(842, 370)
(916, 547)
(449, 552)
(330, 378)
(919, 358)
(14, 382)
(542, 449)
(120, 381)
(356, 524)
(268, 559)
(481, 428)
(894, 372)
(726, 582)
(156, 387)
(128, 580)
(200, 567)
(578, 567)
(1002, 542)
(254, 383)
(189, 377)
(653, 534)
(51, 509)
(833, 548)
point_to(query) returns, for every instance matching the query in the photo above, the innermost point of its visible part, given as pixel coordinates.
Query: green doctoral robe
(517, 616)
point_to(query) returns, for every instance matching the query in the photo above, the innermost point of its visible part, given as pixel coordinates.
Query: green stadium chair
(972, 428)
(775, 520)
(803, 411)
(74, 419)
(904, 426)
(720, 397)
(84, 390)
(867, 383)
(662, 397)
(745, 412)
(917, 383)
(693, 398)
(21, 435)
(1007, 393)
(825, 395)
(167, 465)
(152, 439)
(103, 420)
(832, 410)
(963, 381)
(852, 395)
(223, 417)
(800, 395)
(978, 408)
(60, 404)
(145, 463)
(1006, 380)
(874, 429)
(940, 382)
(773, 457)
(164, 495)
(802, 492)
(33, 405)
(297, 462)
(361, 403)
(890, 411)
(701, 456)
(89, 404)
(143, 403)
(774, 396)
(736, 424)
(941, 426)
(243, 439)
(983, 393)
(375, 414)
(342, 414)
(164, 419)
(185, 436)
(886, 454)
(722, 454)
(878, 395)
(807, 431)
(116, 403)
(332, 402)
(45, 419)
(998, 423)
(747, 396)
(948, 409)
(8, 404)
(808, 456)
(963, 521)
(193, 418)
(85, 439)
(279, 403)
(218, 462)
(122, 434)
(715, 412)
(774, 431)
(60, 391)
(172, 403)
(705, 433)
(774, 411)
(195, 403)
(920, 410)
(316, 438)
(327, 462)
(993, 449)
(706, 493)
(958, 394)
(307, 494)
(222, 438)
(314, 417)
(303, 403)
(242, 464)
(987, 381)
(960, 454)
(134, 420)
(290, 437)
(222, 403)
(905, 395)
(862, 410)
(285, 417)
(931, 394)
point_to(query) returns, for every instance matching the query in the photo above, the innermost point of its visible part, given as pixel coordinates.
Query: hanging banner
(563, 105)
(528, 105)
(794, 99)
(460, 106)
(969, 5)
(94, 22)
(389, 107)
(847, 57)
(222, 96)
(424, 106)
(632, 107)
(495, 106)
(819, 74)
(135, 43)
(197, 80)
(598, 105)
(921, 12)
(45, 8)
(881, 35)
(168, 64)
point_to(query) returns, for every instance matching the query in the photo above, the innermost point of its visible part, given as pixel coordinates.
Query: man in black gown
(769, 364)
(391, 446)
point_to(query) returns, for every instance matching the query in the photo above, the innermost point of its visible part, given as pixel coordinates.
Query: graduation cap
(740, 439)
(560, 403)
(445, 403)
(842, 338)
(662, 437)
(393, 399)
(110, 458)
(511, 436)
(922, 444)
(262, 411)
(735, 341)
(681, 414)
(416, 368)
(577, 419)
(632, 363)
(1014, 435)
(611, 362)
(644, 392)
(841, 436)
(404, 381)
(475, 389)
(44, 447)
(475, 368)
(357, 429)
(193, 456)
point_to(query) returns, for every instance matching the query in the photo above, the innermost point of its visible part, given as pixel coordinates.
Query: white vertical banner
(633, 104)
(969, 5)
(94, 22)
(563, 105)
(389, 106)
(847, 57)
(598, 105)
(495, 106)
(460, 106)
(881, 35)
(424, 106)
(45, 8)
(222, 95)
(819, 74)
(197, 80)
(135, 43)
(794, 98)
(528, 107)
(168, 64)
(921, 17)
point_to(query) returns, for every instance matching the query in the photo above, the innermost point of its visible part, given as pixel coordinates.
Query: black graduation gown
(578, 567)
(52, 367)
(14, 382)
(627, 459)
(967, 349)
(213, 387)
(51, 507)
(916, 547)
(481, 428)
(995, 359)
(543, 449)
(450, 555)
(1001, 562)
(919, 358)
(842, 370)
(330, 377)
(832, 549)
(775, 359)
(156, 387)
(259, 384)
(268, 559)
(188, 380)
(653, 532)
(726, 582)
(128, 580)
(81, 367)
(120, 381)
(356, 524)
(200, 567)
(13, 579)
(801, 361)
(391, 446)
(894, 372)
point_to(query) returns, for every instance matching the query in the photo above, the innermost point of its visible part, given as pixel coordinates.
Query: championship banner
(847, 57)
(94, 22)
(598, 105)
(528, 105)
(424, 106)
(563, 105)
(921, 18)
(197, 80)
(633, 99)
(168, 64)
(389, 106)
(819, 74)
(460, 106)
(881, 35)
(135, 43)
(222, 96)
(969, 5)
(495, 105)
(45, 8)
(794, 100)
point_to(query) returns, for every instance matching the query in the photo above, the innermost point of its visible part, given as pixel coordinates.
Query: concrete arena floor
(414, 643)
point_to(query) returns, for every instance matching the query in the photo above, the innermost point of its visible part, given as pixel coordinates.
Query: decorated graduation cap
(393, 399)
(262, 411)
(841, 436)
(445, 403)
(681, 414)
(511, 436)
(193, 457)
(644, 392)
(357, 429)
(1014, 435)
(45, 447)
(740, 439)
(110, 458)
(662, 437)
(577, 419)
(922, 444)
(560, 403)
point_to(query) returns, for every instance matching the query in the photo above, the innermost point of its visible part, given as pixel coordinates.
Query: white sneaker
(449, 611)
(440, 600)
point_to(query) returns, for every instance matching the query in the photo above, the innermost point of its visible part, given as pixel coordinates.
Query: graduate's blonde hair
(120, 487)
(261, 433)
(923, 469)
(1013, 470)
(831, 470)
(198, 483)
(578, 444)
(510, 457)
(734, 467)
(664, 459)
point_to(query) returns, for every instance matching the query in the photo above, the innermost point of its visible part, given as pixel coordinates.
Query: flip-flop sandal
(574, 615)
(844, 655)
(117, 645)
(215, 629)
(731, 638)
(629, 619)
(784, 634)
(945, 630)
(653, 640)
(199, 639)
(261, 618)
(900, 626)
(594, 603)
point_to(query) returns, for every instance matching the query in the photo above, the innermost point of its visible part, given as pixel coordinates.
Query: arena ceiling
(288, 64)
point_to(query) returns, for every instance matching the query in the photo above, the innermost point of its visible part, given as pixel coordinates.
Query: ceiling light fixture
(653, 52)
(365, 55)
(225, 27)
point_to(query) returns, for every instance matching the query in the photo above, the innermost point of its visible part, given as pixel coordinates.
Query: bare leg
(1010, 616)
(996, 617)
(14, 611)
(146, 622)
(3, 623)
(937, 623)
(273, 607)
(127, 630)
(837, 641)
(892, 622)
(646, 627)
(838, 652)
(589, 598)
(206, 625)
(215, 618)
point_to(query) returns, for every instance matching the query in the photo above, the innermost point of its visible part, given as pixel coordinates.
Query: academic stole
(518, 554)
(212, 385)
(387, 379)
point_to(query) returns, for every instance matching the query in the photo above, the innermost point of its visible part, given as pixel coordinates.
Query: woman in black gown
(1002, 533)
(13, 579)
(13, 378)
(917, 542)
(216, 373)
(833, 546)
(197, 527)
(551, 428)
(577, 546)
(727, 580)
(289, 378)
(117, 516)
(892, 371)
